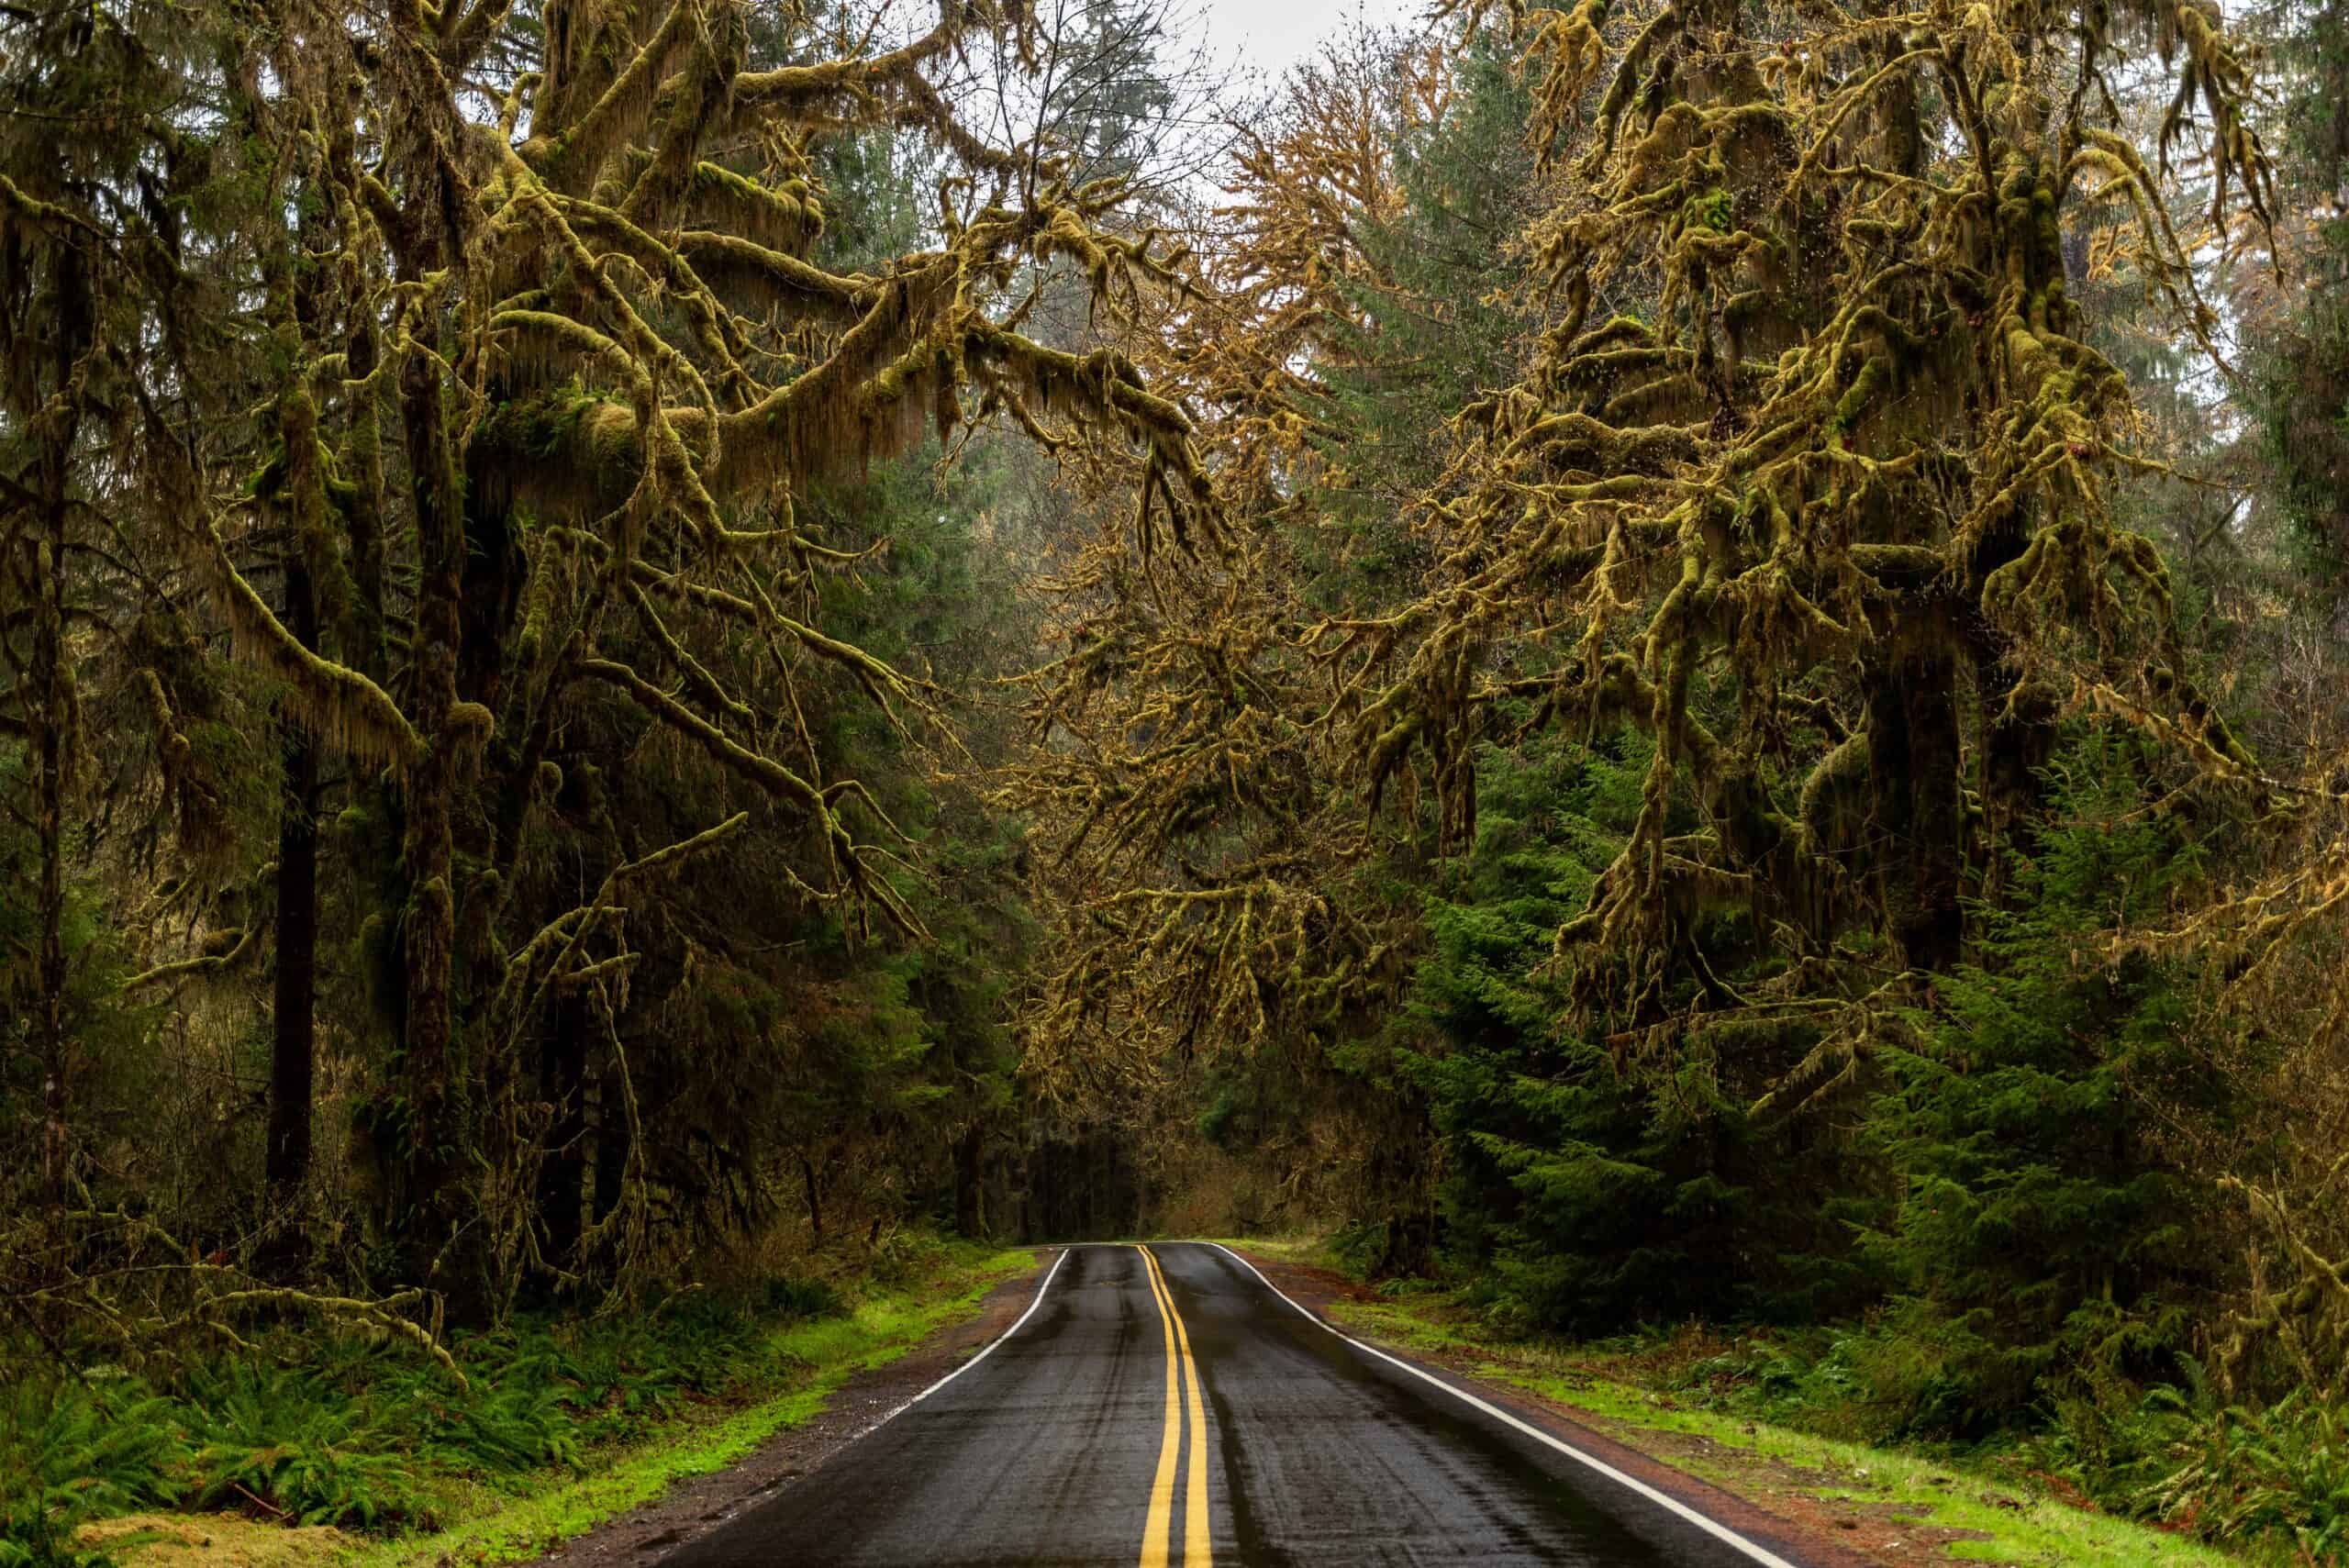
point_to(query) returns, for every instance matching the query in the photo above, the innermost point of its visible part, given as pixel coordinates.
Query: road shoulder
(643, 1521)
(700, 1503)
(1839, 1505)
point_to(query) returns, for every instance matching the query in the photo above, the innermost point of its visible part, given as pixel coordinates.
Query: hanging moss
(350, 714)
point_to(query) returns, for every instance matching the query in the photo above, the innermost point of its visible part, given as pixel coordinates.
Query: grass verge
(566, 1424)
(830, 1350)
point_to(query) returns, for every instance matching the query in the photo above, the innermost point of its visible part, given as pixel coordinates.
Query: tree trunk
(815, 1203)
(54, 739)
(2018, 739)
(562, 1063)
(970, 1182)
(1914, 759)
(49, 816)
(435, 1133)
(612, 1146)
(363, 512)
(293, 1042)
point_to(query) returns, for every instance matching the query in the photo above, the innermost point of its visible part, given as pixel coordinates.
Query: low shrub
(331, 1428)
(72, 1450)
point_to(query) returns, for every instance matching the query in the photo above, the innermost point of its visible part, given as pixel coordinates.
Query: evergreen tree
(2050, 1229)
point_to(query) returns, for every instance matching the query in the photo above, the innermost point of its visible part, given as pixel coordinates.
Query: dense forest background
(1676, 664)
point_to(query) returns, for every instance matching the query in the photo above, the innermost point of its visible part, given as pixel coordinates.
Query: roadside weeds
(516, 1518)
(878, 1332)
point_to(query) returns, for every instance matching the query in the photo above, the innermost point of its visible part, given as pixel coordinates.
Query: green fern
(30, 1538)
(297, 1449)
(2244, 1475)
(71, 1453)
(521, 1421)
(76, 1453)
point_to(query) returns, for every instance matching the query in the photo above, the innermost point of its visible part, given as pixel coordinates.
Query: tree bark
(435, 1133)
(75, 327)
(970, 1182)
(48, 815)
(815, 1202)
(293, 1042)
(563, 1063)
(1915, 758)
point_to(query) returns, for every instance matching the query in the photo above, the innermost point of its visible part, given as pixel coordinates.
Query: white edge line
(744, 1505)
(1713, 1528)
(991, 1346)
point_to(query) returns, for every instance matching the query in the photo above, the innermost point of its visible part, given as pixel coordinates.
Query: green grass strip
(505, 1529)
(2023, 1529)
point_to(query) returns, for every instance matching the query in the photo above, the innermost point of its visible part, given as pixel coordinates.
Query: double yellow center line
(1182, 1373)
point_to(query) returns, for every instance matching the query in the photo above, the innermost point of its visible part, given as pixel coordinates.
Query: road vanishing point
(1166, 1406)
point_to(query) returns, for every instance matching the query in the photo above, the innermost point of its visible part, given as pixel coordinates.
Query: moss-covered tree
(1808, 481)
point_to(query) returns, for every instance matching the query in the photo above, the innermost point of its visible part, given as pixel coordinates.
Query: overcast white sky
(1269, 35)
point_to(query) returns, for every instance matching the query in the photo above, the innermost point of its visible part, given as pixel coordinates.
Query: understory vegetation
(1684, 667)
(305, 1429)
(2262, 1483)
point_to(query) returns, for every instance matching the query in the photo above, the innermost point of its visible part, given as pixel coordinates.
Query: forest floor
(1905, 1510)
(818, 1384)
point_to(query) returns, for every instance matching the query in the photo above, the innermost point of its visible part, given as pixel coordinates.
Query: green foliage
(789, 1367)
(32, 1538)
(104, 1023)
(326, 1430)
(2268, 1480)
(72, 1452)
(1441, 321)
(288, 1443)
(2300, 364)
(2011, 1187)
(2244, 1474)
(2046, 1232)
(1591, 1188)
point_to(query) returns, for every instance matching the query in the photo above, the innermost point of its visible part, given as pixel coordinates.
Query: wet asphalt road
(1054, 1447)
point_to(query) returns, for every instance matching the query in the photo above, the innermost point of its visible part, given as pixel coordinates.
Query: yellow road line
(1199, 1550)
(1160, 1526)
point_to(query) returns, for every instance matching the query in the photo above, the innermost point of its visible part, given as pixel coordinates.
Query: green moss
(1853, 405)
(1708, 209)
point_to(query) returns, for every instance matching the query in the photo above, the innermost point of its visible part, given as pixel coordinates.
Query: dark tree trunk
(1089, 1154)
(2018, 716)
(815, 1200)
(1915, 757)
(431, 1079)
(493, 569)
(613, 1144)
(48, 812)
(293, 1041)
(970, 1182)
(362, 514)
(52, 752)
(2017, 738)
